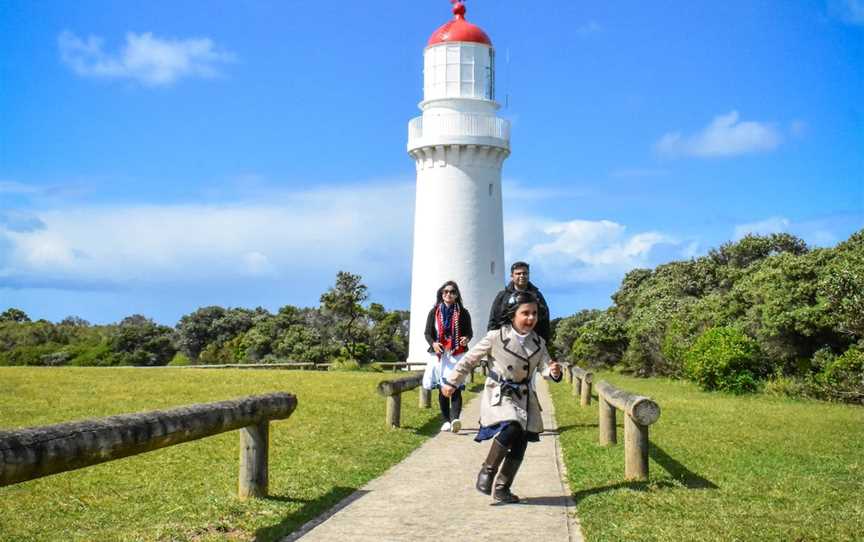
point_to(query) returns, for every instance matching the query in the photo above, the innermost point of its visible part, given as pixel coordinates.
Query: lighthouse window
(490, 77)
(492, 264)
(490, 189)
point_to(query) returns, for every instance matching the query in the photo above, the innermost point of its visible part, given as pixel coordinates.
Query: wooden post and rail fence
(639, 413)
(30, 453)
(581, 381)
(393, 389)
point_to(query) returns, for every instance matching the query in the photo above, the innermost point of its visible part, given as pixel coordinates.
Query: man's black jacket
(502, 300)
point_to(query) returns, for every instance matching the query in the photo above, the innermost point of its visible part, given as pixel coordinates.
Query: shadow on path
(679, 472)
(321, 509)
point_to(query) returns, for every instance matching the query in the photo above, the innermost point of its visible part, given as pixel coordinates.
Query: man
(519, 283)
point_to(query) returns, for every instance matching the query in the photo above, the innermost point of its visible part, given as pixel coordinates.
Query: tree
(14, 315)
(843, 285)
(388, 334)
(602, 341)
(567, 330)
(139, 340)
(343, 303)
(214, 325)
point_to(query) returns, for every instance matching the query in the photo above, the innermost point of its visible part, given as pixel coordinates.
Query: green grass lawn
(333, 443)
(722, 468)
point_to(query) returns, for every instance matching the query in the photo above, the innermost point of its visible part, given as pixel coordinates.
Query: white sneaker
(445, 427)
(456, 425)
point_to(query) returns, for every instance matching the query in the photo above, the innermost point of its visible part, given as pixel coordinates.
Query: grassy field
(333, 443)
(723, 468)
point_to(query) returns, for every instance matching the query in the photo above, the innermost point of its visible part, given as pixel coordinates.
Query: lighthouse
(459, 145)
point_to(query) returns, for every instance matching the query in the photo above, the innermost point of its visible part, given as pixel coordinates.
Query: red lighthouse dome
(459, 29)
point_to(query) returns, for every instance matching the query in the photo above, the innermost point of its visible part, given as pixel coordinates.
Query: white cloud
(850, 11)
(724, 136)
(580, 250)
(775, 224)
(145, 58)
(639, 173)
(589, 28)
(798, 128)
(13, 187)
(294, 234)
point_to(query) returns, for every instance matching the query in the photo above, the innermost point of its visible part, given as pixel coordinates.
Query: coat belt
(508, 385)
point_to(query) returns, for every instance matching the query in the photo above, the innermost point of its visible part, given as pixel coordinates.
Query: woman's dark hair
(514, 301)
(439, 295)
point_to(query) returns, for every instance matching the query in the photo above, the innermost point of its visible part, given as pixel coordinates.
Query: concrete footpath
(431, 494)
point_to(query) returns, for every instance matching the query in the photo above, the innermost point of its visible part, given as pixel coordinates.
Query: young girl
(510, 411)
(448, 331)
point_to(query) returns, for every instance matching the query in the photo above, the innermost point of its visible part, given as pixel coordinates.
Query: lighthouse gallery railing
(461, 124)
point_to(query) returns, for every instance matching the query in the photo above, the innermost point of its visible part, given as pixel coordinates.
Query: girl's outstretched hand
(447, 390)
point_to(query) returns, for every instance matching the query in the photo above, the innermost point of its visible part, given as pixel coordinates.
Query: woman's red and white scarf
(450, 343)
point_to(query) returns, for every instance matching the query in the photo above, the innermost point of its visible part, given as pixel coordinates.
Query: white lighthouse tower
(459, 146)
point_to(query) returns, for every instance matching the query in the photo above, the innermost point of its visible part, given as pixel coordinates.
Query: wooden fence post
(586, 392)
(635, 450)
(608, 435)
(254, 455)
(639, 413)
(425, 398)
(394, 408)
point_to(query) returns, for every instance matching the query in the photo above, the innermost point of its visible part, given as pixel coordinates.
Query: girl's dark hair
(439, 295)
(516, 299)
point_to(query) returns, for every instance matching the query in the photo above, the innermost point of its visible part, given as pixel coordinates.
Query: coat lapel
(511, 344)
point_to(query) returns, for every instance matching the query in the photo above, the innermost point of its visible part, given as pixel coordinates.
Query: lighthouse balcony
(458, 129)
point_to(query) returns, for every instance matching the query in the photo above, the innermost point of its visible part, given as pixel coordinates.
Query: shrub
(179, 360)
(347, 364)
(724, 358)
(90, 354)
(789, 386)
(843, 379)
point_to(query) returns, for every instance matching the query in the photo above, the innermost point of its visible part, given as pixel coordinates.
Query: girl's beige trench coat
(512, 361)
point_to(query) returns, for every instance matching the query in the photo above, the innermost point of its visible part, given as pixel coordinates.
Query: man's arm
(495, 312)
(543, 324)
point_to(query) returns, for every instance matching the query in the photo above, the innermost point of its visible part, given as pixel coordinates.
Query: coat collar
(511, 343)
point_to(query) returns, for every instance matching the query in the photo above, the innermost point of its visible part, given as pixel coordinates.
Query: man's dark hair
(519, 265)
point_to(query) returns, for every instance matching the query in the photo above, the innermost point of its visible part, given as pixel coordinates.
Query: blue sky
(157, 157)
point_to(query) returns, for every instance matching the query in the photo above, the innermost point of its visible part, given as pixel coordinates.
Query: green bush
(843, 378)
(180, 360)
(789, 386)
(724, 358)
(98, 354)
(347, 364)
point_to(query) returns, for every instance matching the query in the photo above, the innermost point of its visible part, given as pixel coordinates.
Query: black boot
(508, 472)
(490, 467)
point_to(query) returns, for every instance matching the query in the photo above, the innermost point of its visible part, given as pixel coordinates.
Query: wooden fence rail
(639, 413)
(392, 390)
(27, 454)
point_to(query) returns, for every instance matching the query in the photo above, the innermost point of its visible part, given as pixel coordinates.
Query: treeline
(763, 313)
(341, 329)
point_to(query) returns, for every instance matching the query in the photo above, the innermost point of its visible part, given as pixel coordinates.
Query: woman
(510, 411)
(448, 331)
